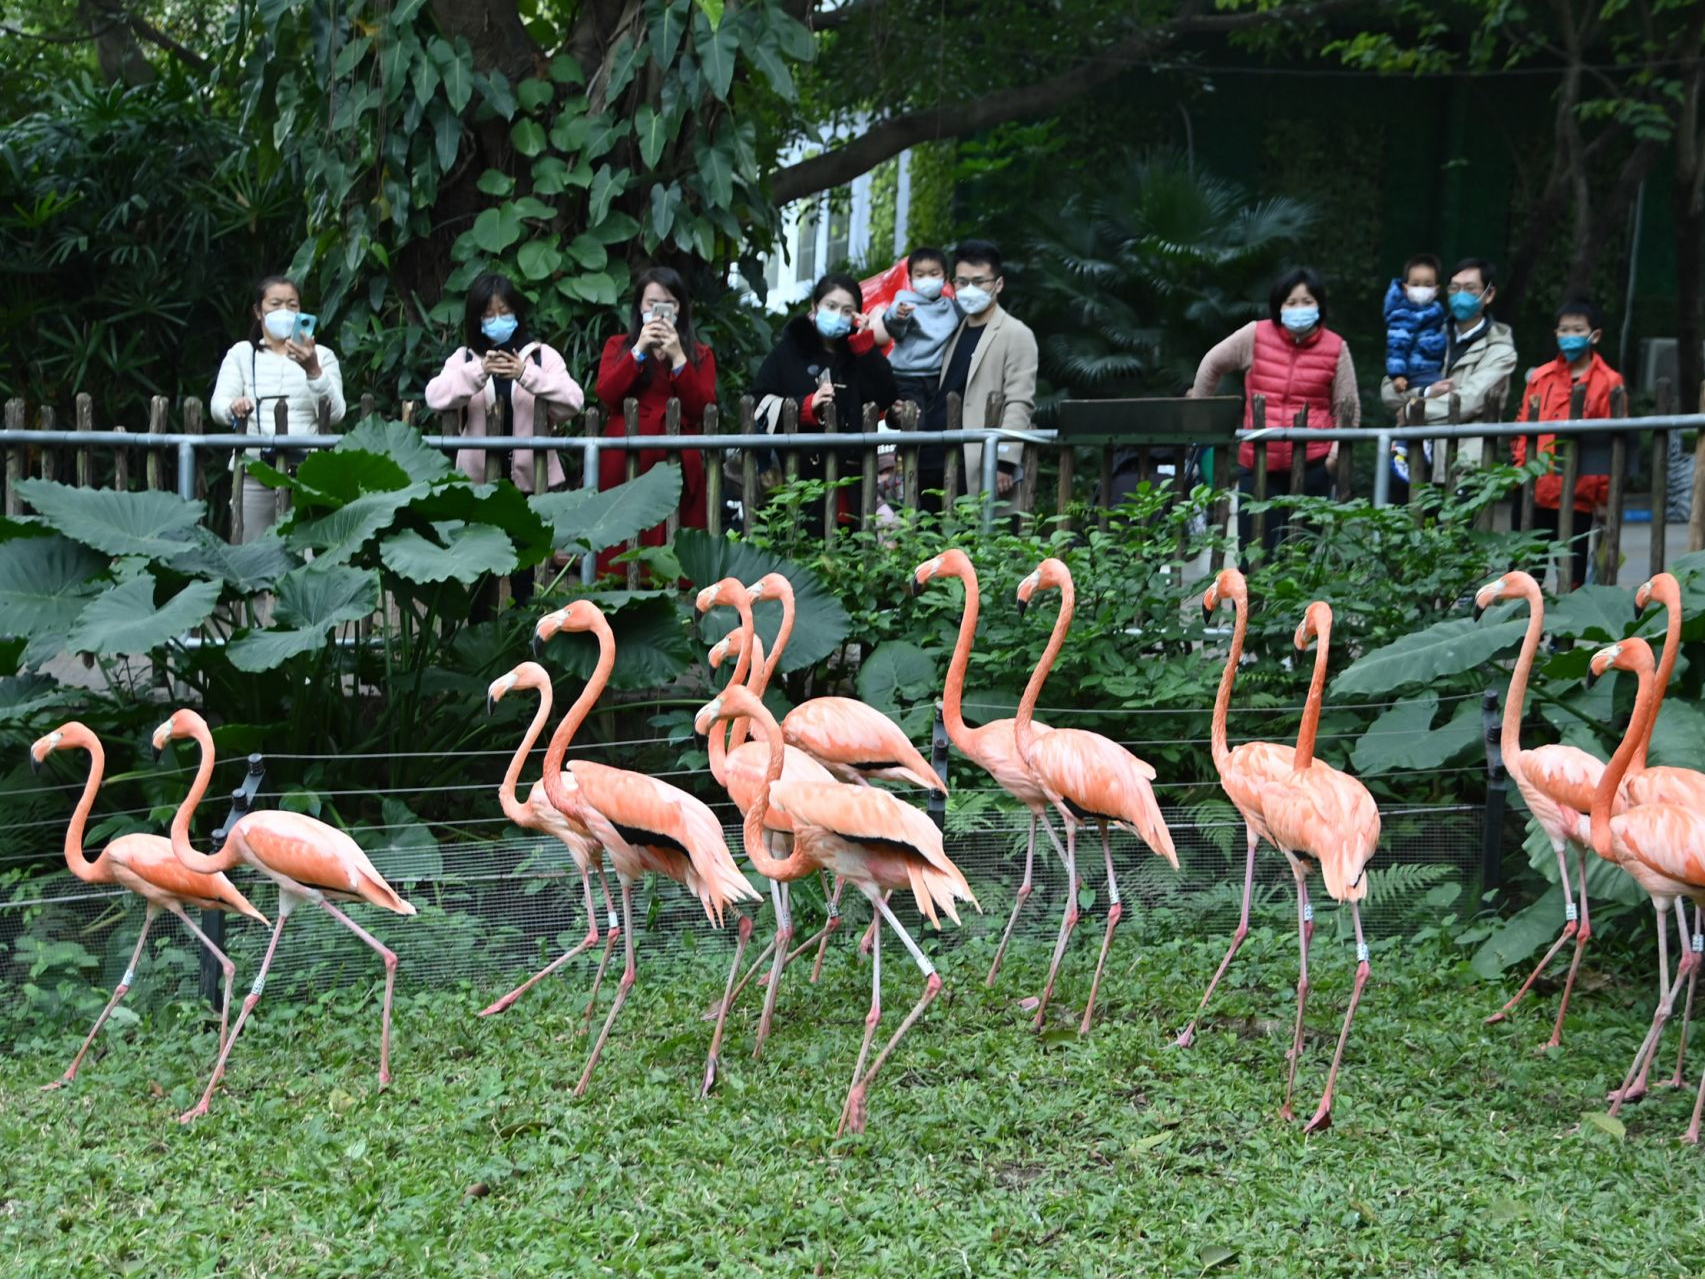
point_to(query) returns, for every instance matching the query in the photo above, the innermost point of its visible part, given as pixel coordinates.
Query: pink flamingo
(310, 862)
(1244, 772)
(740, 771)
(853, 741)
(643, 824)
(1087, 778)
(865, 836)
(1660, 844)
(993, 746)
(1555, 780)
(143, 864)
(539, 814)
(1320, 816)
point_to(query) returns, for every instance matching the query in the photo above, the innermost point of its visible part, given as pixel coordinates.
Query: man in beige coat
(993, 351)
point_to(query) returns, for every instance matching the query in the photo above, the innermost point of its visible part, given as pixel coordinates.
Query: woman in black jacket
(829, 354)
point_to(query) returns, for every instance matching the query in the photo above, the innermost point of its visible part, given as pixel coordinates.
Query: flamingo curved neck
(1222, 699)
(751, 658)
(1639, 728)
(512, 807)
(783, 635)
(1310, 726)
(555, 791)
(90, 870)
(1509, 735)
(227, 857)
(1033, 691)
(796, 863)
(952, 713)
(1671, 602)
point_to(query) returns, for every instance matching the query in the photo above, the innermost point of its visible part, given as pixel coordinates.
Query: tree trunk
(116, 48)
(1688, 203)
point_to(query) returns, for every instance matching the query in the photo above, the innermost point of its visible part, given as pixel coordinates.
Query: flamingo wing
(150, 859)
(1248, 770)
(1567, 776)
(1099, 779)
(1330, 817)
(1666, 838)
(994, 748)
(316, 856)
(544, 817)
(1665, 784)
(881, 824)
(847, 733)
(746, 766)
(646, 812)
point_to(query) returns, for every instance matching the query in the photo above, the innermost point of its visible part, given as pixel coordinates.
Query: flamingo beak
(911, 588)
(35, 764)
(490, 704)
(1478, 610)
(1207, 613)
(538, 646)
(1022, 606)
(1592, 677)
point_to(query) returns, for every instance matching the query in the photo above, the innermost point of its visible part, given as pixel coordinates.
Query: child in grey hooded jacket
(920, 322)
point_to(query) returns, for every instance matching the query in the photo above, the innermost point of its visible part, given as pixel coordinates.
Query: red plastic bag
(880, 289)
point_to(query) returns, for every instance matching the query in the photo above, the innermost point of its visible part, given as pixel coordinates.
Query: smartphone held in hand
(305, 322)
(663, 311)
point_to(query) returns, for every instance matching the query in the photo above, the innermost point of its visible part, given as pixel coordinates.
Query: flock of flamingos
(803, 788)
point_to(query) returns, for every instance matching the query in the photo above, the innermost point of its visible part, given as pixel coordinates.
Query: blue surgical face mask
(833, 324)
(928, 287)
(1299, 319)
(1574, 345)
(1465, 306)
(279, 324)
(499, 329)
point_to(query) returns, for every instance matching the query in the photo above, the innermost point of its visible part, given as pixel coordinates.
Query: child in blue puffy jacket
(1414, 327)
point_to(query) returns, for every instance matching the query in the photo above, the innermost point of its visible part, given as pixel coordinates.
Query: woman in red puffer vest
(1294, 361)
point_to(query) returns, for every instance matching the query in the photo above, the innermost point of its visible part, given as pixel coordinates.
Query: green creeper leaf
(495, 182)
(125, 620)
(349, 57)
(623, 61)
(311, 601)
(533, 94)
(339, 535)
(534, 208)
(550, 174)
(590, 521)
(766, 56)
(668, 22)
(606, 186)
(652, 130)
(400, 443)
(716, 170)
(820, 623)
(716, 43)
(1446, 648)
(588, 252)
(456, 68)
(426, 78)
(539, 259)
(608, 133)
(712, 10)
(446, 135)
(565, 70)
(150, 523)
(792, 37)
(528, 136)
(614, 228)
(1403, 737)
(496, 229)
(494, 89)
(664, 202)
(572, 129)
(594, 286)
(45, 583)
(465, 552)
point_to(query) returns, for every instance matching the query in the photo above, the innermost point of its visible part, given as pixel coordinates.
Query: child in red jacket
(1579, 328)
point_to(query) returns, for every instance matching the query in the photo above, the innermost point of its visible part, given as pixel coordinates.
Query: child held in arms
(920, 322)
(1414, 327)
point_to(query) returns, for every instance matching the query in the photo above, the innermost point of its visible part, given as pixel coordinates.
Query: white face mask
(1421, 294)
(974, 300)
(928, 287)
(279, 324)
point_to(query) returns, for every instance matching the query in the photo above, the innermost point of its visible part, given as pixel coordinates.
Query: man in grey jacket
(993, 351)
(1480, 357)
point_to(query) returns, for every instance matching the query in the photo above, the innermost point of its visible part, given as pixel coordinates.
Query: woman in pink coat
(497, 380)
(499, 377)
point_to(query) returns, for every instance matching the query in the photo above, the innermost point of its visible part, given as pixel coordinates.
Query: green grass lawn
(1456, 1148)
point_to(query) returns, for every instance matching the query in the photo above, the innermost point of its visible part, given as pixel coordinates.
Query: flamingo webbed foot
(1322, 1120)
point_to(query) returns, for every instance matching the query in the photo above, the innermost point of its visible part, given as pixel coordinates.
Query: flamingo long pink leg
(287, 902)
(1694, 945)
(622, 989)
(1023, 896)
(590, 940)
(1189, 1032)
(743, 937)
(1305, 934)
(1114, 912)
(834, 922)
(1323, 1116)
(124, 984)
(870, 1021)
(1570, 925)
(784, 935)
(390, 959)
(1628, 1092)
(854, 1114)
(1068, 922)
(729, 997)
(229, 969)
(1581, 936)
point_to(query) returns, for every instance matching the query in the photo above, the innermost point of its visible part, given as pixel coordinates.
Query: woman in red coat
(656, 360)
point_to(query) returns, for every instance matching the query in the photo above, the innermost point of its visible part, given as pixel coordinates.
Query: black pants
(1548, 520)
(484, 605)
(1316, 483)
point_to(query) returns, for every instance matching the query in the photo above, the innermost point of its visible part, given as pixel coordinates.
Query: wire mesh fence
(493, 909)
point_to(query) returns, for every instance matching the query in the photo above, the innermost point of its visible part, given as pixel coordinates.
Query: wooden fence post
(748, 469)
(368, 405)
(17, 458)
(1222, 482)
(789, 429)
(911, 477)
(831, 473)
(1696, 513)
(1530, 452)
(954, 460)
(1610, 537)
(867, 486)
(1067, 457)
(541, 458)
(713, 473)
(672, 428)
(1569, 447)
(121, 466)
(1299, 455)
(85, 421)
(1257, 421)
(1660, 479)
(1420, 473)
(49, 459)
(159, 422)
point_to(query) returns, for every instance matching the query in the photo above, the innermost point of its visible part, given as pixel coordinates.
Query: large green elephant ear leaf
(311, 601)
(151, 523)
(125, 619)
(465, 552)
(653, 647)
(45, 583)
(1403, 737)
(588, 521)
(248, 567)
(899, 680)
(820, 624)
(1444, 649)
(333, 477)
(338, 535)
(401, 444)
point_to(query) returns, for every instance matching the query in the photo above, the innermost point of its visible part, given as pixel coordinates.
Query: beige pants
(260, 507)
